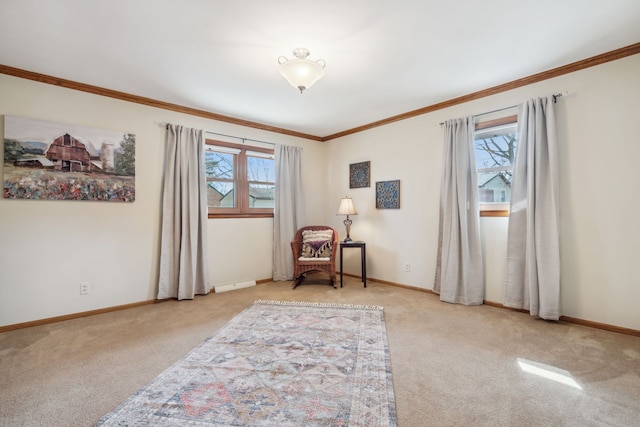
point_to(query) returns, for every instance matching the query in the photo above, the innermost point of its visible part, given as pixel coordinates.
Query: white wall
(403, 151)
(600, 201)
(48, 247)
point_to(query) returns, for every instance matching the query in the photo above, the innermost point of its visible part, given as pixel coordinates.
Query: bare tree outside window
(220, 176)
(261, 177)
(219, 165)
(495, 150)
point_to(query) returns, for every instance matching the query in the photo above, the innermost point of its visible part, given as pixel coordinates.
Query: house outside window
(240, 180)
(495, 149)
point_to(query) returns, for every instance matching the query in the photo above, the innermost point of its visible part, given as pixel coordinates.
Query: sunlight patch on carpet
(548, 372)
(277, 363)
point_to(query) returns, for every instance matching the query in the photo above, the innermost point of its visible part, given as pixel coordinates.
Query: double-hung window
(240, 180)
(495, 148)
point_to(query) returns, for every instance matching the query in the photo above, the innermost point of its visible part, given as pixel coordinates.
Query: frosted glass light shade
(301, 73)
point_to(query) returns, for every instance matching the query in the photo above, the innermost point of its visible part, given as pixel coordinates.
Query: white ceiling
(383, 57)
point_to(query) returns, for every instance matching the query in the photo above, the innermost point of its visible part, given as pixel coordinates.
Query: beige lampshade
(346, 207)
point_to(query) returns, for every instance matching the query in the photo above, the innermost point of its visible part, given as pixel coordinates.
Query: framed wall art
(388, 194)
(57, 161)
(359, 174)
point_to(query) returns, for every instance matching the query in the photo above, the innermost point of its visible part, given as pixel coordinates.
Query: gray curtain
(183, 253)
(533, 245)
(288, 214)
(459, 270)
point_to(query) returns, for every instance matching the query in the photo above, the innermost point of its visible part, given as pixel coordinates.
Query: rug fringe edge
(318, 304)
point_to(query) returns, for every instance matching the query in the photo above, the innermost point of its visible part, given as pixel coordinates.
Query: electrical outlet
(85, 288)
(407, 267)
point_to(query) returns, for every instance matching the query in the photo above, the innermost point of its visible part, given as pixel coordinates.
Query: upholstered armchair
(314, 249)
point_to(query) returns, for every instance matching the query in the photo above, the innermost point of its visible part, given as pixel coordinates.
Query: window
(495, 149)
(240, 180)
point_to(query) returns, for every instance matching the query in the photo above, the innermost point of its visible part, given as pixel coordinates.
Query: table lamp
(347, 208)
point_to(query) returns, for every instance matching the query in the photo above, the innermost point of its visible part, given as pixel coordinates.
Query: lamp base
(347, 227)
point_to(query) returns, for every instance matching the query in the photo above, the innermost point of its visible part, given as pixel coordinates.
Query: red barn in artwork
(70, 155)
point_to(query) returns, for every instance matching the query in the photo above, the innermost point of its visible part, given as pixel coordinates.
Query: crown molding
(123, 96)
(534, 78)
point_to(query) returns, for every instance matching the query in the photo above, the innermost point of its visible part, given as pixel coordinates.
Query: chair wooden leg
(297, 281)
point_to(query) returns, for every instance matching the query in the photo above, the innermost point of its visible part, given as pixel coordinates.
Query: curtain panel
(533, 243)
(459, 274)
(183, 247)
(288, 213)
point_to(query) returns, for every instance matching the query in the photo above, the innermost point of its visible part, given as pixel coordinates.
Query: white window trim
(249, 151)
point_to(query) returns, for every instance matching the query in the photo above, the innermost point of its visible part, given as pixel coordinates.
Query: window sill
(244, 215)
(494, 213)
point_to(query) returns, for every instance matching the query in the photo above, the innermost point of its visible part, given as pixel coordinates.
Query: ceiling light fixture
(301, 72)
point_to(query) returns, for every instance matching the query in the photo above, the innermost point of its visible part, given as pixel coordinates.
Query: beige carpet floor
(452, 365)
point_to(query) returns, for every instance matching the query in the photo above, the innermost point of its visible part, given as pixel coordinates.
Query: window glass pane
(494, 187)
(220, 194)
(261, 195)
(260, 169)
(240, 179)
(219, 165)
(495, 150)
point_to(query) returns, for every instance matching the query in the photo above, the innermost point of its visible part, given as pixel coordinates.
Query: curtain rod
(238, 137)
(555, 99)
(164, 124)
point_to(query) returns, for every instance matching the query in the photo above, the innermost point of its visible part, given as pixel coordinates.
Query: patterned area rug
(276, 364)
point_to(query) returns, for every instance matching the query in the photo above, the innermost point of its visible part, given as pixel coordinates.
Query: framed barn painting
(359, 174)
(56, 161)
(388, 194)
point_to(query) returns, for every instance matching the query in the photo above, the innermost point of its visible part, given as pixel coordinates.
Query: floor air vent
(233, 286)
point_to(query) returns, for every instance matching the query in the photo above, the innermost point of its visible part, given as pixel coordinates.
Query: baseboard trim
(567, 319)
(94, 312)
(598, 325)
(76, 315)
(399, 285)
(500, 305)
(575, 320)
